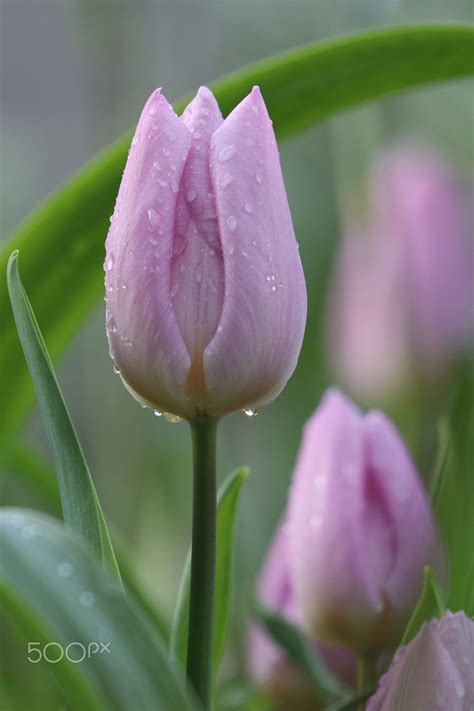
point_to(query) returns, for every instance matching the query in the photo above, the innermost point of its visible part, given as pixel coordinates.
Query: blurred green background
(75, 76)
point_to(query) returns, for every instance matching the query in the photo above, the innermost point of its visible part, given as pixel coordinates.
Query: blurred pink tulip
(360, 528)
(434, 671)
(266, 661)
(402, 302)
(206, 300)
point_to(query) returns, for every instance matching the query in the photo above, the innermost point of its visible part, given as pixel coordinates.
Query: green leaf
(29, 467)
(63, 242)
(226, 509)
(58, 593)
(302, 653)
(453, 493)
(429, 605)
(81, 507)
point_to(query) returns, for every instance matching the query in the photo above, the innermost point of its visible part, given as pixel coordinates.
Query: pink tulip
(360, 528)
(266, 661)
(401, 301)
(434, 671)
(206, 300)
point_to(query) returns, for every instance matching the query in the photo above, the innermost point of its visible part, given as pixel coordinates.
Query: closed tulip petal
(259, 336)
(434, 671)
(407, 509)
(360, 527)
(144, 337)
(327, 504)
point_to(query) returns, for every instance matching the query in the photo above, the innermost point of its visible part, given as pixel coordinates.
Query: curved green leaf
(58, 593)
(63, 242)
(429, 605)
(302, 652)
(80, 504)
(226, 509)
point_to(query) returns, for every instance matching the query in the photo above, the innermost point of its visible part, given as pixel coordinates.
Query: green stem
(203, 559)
(366, 672)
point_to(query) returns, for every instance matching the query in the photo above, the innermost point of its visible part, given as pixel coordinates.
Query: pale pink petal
(259, 336)
(144, 337)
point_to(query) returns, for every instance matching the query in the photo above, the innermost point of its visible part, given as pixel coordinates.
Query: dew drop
(64, 569)
(153, 111)
(226, 180)
(163, 183)
(166, 152)
(231, 223)
(109, 262)
(274, 287)
(154, 217)
(174, 187)
(226, 153)
(174, 419)
(156, 165)
(116, 370)
(111, 325)
(154, 126)
(157, 413)
(191, 195)
(230, 250)
(87, 598)
(135, 140)
(248, 207)
(220, 328)
(250, 412)
(174, 290)
(259, 178)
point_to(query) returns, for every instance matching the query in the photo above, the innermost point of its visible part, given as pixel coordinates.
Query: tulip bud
(206, 301)
(434, 671)
(267, 662)
(401, 302)
(360, 528)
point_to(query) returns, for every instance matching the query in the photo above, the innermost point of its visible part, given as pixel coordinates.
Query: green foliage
(453, 493)
(57, 592)
(62, 243)
(302, 652)
(227, 499)
(81, 507)
(429, 605)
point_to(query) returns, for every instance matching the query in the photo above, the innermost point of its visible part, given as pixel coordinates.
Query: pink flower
(206, 300)
(434, 671)
(360, 528)
(266, 661)
(401, 302)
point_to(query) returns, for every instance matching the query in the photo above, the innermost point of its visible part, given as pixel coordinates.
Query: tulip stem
(203, 559)
(366, 671)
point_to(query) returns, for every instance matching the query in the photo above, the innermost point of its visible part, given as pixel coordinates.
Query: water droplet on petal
(157, 413)
(174, 290)
(220, 328)
(156, 165)
(163, 183)
(135, 140)
(248, 207)
(166, 152)
(259, 178)
(226, 153)
(231, 223)
(109, 262)
(191, 195)
(230, 249)
(174, 419)
(250, 412)
(154, 217)
(226, 180)
(116, 370)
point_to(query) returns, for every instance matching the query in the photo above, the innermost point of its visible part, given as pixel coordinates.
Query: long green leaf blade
(81, 507)
(301, 87)
(226, 511)
(55, 589)
(429, 605)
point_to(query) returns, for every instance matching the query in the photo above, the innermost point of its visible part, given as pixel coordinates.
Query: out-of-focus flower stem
(366, 672)
(203, 561)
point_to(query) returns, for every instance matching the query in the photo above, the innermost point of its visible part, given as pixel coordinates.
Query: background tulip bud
(401, 302)
(360, 528)
(266, 661)
(434, 671)
(206, 301)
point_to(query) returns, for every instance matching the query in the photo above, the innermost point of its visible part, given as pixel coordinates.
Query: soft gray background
(75, 74)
